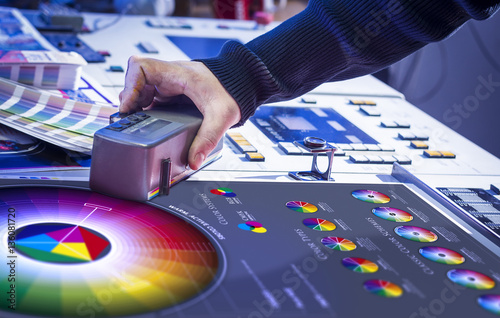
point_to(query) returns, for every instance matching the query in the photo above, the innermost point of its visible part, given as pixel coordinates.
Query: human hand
(149, 81)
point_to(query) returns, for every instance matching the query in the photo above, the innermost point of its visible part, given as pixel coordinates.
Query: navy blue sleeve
(333, 40)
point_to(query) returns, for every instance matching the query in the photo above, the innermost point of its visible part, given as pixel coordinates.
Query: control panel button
(374, 159)
(125, 122)
(370, 111)
(358, 147)
(402, 124)
(388, 124)
(418, 144)
(406, 135)
(372, 147)
(254, 156)
(448, 154)
(361, 102)
(386, 147)
(432, 154)
(358, 159)
(404, 160)
(241, 142)
(289, 148)
(345, 147)
(388, 159)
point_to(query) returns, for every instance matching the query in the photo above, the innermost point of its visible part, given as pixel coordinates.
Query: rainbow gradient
(142, 258)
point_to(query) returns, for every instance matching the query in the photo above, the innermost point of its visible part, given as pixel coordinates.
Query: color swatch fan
(60, 121)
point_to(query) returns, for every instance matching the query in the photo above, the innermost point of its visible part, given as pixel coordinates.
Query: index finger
(137, 93)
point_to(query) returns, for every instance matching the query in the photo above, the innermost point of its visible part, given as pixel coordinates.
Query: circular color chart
(442, 255)
(301, 206)
(319, 224)
(360, 265)
(253, 226)
(226, 192)
(490, 303)
(415, 233)
(392, 214)
(61, 243)
(371, 196)
(143, 258)
(383, 288)
(338, 243)
(470, 279)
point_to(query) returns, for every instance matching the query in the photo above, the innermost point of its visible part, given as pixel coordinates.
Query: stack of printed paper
(45, 69)
(63, 122)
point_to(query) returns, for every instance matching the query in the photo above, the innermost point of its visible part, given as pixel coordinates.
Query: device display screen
(287, 124)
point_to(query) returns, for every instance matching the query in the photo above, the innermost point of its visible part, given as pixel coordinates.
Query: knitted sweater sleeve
(333, 40)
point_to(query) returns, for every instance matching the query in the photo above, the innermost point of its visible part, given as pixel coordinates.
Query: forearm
(334, 40)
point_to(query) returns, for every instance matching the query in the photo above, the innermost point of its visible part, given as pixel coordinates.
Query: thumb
(211, 131)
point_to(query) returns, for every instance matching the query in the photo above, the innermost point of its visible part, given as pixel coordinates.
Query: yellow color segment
(75, 250)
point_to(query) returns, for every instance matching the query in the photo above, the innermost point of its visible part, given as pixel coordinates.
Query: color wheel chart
(392, 214)
(470, 279)
(83, 246)
(319, 224)
(415, 233)
(442, 255)
(301, 206)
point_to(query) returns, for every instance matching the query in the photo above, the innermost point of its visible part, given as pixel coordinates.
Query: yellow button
(447, 154)
(419, 144)
(362, 102)
(254, 156)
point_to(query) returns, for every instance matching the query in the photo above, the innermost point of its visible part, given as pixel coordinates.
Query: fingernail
(198, 159)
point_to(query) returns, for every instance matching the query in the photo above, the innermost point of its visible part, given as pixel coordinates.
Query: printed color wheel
(80, 249)
(360, 265)
(319, 224)
(470, 279)
(338, 243)
(392, 214)
(226, 192)
(301, 206)
(442, 255)
(61, 243)
(490, 303)
(371, 196)
(383, 288)
(415, 233)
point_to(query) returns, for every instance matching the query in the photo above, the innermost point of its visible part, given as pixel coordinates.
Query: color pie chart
(226, 192)
(301, 206)
(61, 243)
(490, 303)
(126, 258)
(360, 265)
(371, 196)
(383, 288)
(470, 279)
(319, 224)
(415, 233)
(338, 243)
(392, 214)
(442, 255)
(253, 226)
